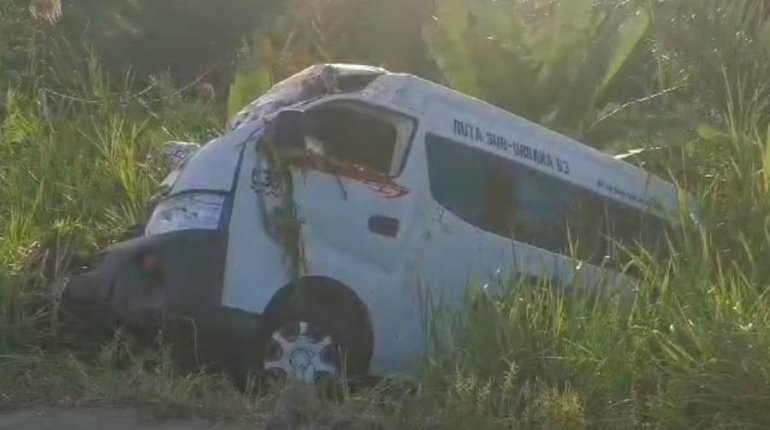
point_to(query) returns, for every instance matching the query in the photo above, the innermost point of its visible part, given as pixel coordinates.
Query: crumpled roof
(311, 83)
(315, 81)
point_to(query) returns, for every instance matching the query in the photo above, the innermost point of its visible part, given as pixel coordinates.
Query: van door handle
(384, 225)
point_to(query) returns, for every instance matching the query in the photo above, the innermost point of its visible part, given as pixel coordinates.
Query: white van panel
(212, 167)
(528, 144)
(458, 254)
(335, 213)
(337, 245)
(254, 269)
(395, 318)
(512, 137)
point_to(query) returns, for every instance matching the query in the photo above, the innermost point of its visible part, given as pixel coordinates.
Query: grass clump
(688, 355)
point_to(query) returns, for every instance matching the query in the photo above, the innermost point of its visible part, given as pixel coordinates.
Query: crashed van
(305, 240)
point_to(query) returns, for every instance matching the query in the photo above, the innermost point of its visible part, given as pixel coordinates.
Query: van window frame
(516, 168)
(397, 166)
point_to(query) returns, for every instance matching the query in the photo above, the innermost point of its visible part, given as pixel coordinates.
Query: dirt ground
(99, 419)
(294, 410)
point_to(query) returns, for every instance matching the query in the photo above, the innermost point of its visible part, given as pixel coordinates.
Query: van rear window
(509, 199)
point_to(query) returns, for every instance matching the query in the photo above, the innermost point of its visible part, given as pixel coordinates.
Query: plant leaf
(631, 34)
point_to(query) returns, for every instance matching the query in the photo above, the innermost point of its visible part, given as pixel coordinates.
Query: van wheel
(310, 341)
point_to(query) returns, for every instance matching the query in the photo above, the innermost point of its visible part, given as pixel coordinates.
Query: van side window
(458, 180)
(352, 135)
(554, 215)
(627, 227)
(519, 202)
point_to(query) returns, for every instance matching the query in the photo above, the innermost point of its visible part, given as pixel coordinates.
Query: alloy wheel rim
(301, 352)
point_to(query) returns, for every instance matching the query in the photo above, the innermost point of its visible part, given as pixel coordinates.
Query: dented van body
(337, 202)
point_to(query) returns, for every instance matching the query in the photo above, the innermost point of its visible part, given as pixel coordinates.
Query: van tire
(328, 307)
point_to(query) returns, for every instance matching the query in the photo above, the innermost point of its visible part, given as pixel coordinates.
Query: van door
(356, 211)
(348, 196)
(463, 246)
(473, 238)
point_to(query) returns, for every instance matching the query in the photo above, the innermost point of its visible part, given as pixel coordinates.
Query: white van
(335, 202)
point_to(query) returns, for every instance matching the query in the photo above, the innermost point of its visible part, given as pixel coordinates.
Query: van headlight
(191, 211)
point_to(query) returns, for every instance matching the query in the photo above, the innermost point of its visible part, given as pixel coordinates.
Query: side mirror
(288, 129)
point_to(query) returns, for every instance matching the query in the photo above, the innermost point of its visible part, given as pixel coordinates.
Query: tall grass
(78, 162)
(690, 353)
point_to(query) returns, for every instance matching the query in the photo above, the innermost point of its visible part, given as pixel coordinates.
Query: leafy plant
(562, 64)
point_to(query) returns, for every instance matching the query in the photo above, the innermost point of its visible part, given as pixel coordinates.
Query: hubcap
(299, 352)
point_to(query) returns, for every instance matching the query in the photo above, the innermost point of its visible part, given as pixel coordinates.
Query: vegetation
(683, 79)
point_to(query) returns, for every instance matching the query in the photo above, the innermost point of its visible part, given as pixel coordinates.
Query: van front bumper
(167, 281)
